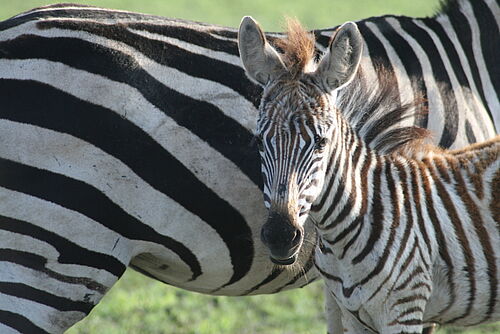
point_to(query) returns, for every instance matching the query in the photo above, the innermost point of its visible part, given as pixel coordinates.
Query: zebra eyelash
(320, 142)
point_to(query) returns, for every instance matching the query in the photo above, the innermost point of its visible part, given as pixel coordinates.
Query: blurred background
(137, 304)
(317, 14)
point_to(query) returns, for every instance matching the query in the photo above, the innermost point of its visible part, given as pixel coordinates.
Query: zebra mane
(373, 109)
(375, 112)
(450, 7)
(297, 48)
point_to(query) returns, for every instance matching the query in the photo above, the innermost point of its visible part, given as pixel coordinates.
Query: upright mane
(297, 47)
(375, 112)
(373, 109)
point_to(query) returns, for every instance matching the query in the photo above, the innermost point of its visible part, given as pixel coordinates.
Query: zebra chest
(342, 280)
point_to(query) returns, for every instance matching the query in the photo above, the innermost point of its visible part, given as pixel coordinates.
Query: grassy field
(324, 13)
(139, 305)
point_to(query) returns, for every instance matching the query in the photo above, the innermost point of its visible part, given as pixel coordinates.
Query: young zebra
(408, 234)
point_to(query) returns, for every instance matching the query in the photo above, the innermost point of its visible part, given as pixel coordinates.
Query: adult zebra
(123, 133)
(408, 233)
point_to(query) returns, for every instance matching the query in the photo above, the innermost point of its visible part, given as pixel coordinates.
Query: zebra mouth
(285, 262)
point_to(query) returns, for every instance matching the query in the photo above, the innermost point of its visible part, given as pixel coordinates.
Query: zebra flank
(127, 140)
(408, 234)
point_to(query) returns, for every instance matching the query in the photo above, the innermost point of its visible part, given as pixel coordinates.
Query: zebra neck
(368, 193)
(342, 201)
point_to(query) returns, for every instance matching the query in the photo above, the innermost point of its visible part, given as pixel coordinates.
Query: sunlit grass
(140, 305)
(319, 14)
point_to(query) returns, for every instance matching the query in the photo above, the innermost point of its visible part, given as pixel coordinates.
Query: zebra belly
(465, 306)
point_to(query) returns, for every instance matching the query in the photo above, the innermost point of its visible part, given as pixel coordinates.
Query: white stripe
(79, 8)
(28, 244)
(43, 316)
(14, 273)
(84, 231)
(489, 90)
(495, 10)
(193, 48)
(403, 80)
(436, 109)
(222, 38)
(8, 330)
(225, 98)
(462, 103)
(82, 161)
(487, 131)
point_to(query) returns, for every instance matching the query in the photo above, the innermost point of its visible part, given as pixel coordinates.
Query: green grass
(314, 14)
(137, 304)
(140, 305)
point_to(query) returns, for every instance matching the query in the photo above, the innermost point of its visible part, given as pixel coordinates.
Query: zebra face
(296, 122)
(294, 133)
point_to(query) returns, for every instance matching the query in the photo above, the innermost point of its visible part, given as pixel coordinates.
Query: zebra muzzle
(282, 238)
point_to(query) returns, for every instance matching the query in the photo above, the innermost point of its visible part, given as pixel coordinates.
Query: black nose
(282, 237)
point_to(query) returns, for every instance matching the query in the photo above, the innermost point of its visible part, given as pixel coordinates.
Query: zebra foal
(408, 233)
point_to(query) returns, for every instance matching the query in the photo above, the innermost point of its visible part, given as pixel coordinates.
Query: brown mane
(297, 48)
(374, 110)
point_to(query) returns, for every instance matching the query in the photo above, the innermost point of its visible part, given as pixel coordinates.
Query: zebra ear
(341, 61)
(260, 59)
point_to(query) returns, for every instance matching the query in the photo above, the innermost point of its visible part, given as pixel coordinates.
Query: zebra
(407, 233)
(126, 141)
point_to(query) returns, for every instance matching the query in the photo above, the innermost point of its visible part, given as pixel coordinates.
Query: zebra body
(408, 234)
(126, 141)
(431, 255)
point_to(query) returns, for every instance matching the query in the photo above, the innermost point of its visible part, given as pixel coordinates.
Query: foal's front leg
(333, 314)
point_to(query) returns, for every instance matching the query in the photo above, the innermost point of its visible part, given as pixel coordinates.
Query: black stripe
(205, 120)
(37, 262)
(450, 112)
(456, 64)
(469, 132)
(192, 36)
(19, 323)
(377, 215)
(468, 264)
(462, 29)
(379, 57)
(79, 196)
(490, 41)
(27, 292)
(69, 252)
(145, 157)
(410, 62)
(427, 185)
(196, 65)
(302, 274)
(274, 274)
(396, 221)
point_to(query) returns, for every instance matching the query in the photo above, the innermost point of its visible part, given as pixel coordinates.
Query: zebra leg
(405, 312)
(430, 329)
(352, 325)
(333, 314)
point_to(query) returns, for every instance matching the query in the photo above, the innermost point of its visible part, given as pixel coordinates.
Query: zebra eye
(320, 142)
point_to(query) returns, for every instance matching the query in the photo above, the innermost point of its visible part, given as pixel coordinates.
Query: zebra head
(297, 122)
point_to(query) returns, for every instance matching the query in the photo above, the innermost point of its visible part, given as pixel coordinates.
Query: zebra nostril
(281, 190)
(297, 237)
